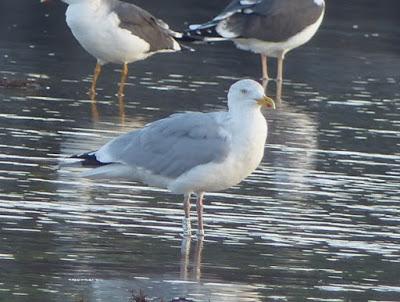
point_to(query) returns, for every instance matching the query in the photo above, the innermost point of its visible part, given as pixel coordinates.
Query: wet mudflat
(318, 221)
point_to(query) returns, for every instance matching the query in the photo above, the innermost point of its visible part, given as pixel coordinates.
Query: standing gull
(190, 153)
(117, 32)
(270, 28)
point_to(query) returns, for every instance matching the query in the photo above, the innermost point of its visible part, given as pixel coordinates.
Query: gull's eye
(244, 91)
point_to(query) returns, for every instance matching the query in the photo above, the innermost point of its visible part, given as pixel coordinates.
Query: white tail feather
(108, 171)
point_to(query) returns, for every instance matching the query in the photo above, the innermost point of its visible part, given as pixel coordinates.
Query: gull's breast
(98, 31)
(247, 151)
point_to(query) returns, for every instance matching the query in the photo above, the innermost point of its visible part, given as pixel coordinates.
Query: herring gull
(192, 152)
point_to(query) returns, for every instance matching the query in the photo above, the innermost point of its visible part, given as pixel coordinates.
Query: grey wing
(144, 25)
(171, 146)
(268, 20)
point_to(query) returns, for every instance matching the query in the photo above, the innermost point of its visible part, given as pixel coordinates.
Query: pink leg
(199, 207)
(264, 67)
(279, 77)
(187, 231)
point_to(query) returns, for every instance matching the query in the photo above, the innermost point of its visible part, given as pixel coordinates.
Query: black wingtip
(203, 31)
(88, 159)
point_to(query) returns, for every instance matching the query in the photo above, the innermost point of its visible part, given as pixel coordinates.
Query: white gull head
(246, 94)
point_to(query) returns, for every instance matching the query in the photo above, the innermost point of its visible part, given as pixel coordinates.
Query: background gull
(191, 152)
(117, 32)
(267, 27)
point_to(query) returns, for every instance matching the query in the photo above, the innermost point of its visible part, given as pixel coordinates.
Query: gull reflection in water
(187, 283)
(195, 273)
(96, 114)
(278, 89)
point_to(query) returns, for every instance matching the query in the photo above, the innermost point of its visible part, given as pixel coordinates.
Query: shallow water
(318, 221)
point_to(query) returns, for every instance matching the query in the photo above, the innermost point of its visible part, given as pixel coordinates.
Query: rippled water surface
(318, 221)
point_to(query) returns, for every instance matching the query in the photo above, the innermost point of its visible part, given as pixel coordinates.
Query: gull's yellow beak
(266, 102)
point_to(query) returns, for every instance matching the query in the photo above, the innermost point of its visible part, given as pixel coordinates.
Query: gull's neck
(247, 123)
(243, 111)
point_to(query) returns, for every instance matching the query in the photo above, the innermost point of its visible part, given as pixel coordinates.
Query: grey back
(171, 146)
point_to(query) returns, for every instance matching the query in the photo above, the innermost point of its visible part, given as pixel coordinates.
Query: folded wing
(144, 25)
(171, 146)
(266, 20)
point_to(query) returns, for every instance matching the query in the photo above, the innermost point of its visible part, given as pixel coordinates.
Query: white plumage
(117, 32)
(191, 152)
(100, 35)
